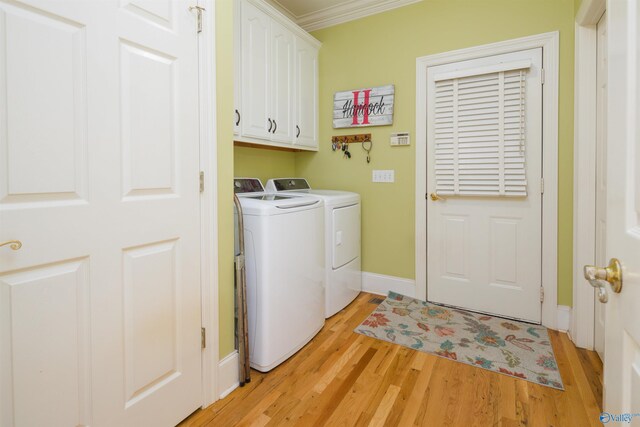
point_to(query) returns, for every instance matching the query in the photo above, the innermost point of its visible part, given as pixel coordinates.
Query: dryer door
(346, 234)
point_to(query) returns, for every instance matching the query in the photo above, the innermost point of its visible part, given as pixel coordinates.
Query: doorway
(484, 166)
(543, 296)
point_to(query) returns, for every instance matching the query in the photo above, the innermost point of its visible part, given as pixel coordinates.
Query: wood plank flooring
(346, 379)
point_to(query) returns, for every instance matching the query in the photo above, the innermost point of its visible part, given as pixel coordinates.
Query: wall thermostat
(400, 138)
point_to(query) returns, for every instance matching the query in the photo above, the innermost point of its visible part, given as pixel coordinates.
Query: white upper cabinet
(306, 90)
(255, 81)
(281, 113)
(276, 79)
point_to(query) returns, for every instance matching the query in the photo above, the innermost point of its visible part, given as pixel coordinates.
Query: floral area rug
(505, 346)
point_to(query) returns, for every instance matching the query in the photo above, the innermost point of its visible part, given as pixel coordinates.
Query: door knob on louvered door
(435, 197)
(597, 276)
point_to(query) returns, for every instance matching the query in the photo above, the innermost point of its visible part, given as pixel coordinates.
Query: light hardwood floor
(345, 379)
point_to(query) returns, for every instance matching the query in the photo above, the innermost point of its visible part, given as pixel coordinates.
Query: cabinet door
(306, 129)
(282, 53)
(255, 83)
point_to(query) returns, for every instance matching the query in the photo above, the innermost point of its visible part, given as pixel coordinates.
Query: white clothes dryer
(284, 262)
(342, 240)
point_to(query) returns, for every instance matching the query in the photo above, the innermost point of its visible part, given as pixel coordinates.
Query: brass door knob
(597, 276)
(435, 197)
(13, 244)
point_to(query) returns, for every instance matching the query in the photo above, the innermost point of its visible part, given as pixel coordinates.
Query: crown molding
(341, 13)
(283, 10)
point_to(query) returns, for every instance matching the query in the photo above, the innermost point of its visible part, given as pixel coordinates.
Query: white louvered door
(484, 149)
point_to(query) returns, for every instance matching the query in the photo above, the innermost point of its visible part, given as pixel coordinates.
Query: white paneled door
(622, 327)
(100, 307)
(484, 170)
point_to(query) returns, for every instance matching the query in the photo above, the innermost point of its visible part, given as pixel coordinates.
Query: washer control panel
(289, 184)
(247, 185)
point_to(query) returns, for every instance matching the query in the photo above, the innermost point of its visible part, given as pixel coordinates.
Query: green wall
(263, 163)
(382, 49)
(224, 98)
(378, 50)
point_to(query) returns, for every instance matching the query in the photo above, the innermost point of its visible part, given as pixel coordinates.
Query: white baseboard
(228, 374)
(564, 318)
(381, 285)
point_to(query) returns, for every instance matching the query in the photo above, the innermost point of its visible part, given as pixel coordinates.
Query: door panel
(455, 251)
(484, 252)
(156, 11)
(151, 358)
(47, 160)
(45, 322)
(504, 251)
(101, 305)
(148, 121)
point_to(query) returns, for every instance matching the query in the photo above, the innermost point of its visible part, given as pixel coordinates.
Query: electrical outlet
(383, 175)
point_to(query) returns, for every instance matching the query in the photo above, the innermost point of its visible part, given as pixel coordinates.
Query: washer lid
(300, 185)
(277, 204)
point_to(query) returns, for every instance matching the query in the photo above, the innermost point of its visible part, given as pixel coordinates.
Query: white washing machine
(284, 262)
(342, 240)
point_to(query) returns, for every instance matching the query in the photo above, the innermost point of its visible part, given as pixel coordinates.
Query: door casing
(209, 203)
(582, 326)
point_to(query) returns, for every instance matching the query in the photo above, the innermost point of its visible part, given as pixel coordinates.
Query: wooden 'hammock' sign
(363, 107)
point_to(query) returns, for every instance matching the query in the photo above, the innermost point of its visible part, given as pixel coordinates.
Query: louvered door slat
(479, 132)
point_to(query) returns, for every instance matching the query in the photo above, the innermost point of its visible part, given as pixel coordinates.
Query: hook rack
(348, 139)
(341, 142)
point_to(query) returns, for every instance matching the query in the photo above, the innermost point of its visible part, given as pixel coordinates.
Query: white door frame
(584, 190)
(549, 42)
(209, 204)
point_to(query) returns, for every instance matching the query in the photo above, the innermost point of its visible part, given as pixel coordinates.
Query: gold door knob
(435, 197)
(597, 276)
(13, 244)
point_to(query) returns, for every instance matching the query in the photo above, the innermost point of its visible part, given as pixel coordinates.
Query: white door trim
(549, 42)
(209, 204)
(584, 163)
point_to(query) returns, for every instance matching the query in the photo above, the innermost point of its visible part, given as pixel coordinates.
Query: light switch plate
(383, 175)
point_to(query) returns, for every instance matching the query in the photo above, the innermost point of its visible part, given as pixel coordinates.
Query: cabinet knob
(275, 126)
(270, 125)
(238, 117)
(297, 133)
